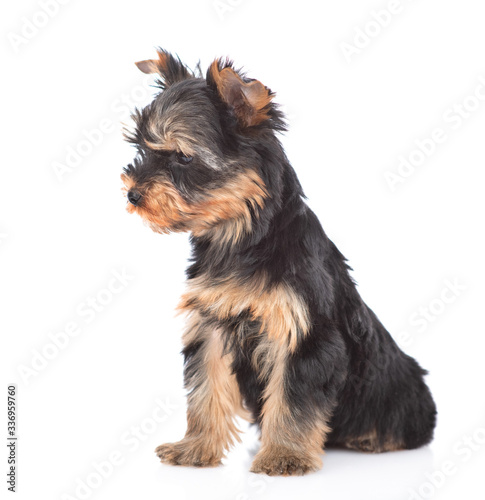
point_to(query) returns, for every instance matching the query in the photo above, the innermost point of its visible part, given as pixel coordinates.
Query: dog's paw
(285, 462)
(187, 452)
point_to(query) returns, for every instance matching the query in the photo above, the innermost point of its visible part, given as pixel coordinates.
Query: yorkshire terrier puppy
(277, 332)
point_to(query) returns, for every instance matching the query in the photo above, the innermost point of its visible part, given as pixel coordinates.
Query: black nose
(134, 197)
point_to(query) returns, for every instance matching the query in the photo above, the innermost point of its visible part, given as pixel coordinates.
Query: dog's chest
(280, 311)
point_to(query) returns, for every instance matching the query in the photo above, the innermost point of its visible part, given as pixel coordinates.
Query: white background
(63, 236)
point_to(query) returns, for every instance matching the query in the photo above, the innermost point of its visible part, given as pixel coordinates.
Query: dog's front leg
(294, 416)
(213, 400)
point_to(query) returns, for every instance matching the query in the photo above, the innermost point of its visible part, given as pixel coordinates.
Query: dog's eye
(184, 159)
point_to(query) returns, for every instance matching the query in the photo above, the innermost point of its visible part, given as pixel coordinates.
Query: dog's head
(201, 147)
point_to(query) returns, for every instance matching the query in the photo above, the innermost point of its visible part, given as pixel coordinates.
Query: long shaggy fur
(277, 331)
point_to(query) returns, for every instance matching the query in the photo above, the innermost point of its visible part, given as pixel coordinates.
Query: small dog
(277, 332)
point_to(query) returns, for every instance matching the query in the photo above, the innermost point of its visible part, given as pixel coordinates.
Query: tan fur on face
(230, 202)
(283, 314)
(169, 134)
(163, 207)
(128, 183)
(164, 132)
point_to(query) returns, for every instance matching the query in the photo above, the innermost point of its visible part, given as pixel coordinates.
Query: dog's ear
(249, 99)
(170, 68)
